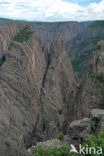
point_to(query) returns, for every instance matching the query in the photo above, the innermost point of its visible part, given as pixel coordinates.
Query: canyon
(40, 92)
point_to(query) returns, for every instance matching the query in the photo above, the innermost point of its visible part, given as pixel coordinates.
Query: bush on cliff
(91, 141)
(24, 35)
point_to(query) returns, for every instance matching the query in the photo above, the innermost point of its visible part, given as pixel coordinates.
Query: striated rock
(34, 88)
(59, 83)
(21, 76)
(68, 30)
(40, 94)
(79, 41)
(89, 92)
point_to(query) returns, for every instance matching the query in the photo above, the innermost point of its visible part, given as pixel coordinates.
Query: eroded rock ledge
(78, 131)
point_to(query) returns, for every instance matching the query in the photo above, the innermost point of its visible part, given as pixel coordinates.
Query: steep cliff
(85, 45)
(80, 39)
(90, 91)
(34, 88)
(59, 83)
(21, 76)
(68, 30)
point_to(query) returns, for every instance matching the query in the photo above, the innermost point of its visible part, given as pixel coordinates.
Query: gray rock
(80, 129)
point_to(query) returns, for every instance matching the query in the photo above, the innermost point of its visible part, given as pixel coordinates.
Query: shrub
(11, 46)
(91, 141)
(60, 136)
(61, 151)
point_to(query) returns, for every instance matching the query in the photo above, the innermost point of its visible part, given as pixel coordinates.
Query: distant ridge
(86, 23)
(6, 20)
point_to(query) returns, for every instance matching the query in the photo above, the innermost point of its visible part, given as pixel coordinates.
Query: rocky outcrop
(50, 144)
(79, 130)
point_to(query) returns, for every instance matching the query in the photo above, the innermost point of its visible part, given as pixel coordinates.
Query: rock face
(79, 41)
(34, 88)
(91, 88)
(85, 45)
(68, 30)
(59, 83)
(39, 92)
(89, 91)
(80, 129)
(21, 76)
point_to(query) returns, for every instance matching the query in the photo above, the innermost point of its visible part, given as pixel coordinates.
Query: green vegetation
(24, 35)
(11, 46)
(60, 136)
(91, 141)
(97, 24)
(5, 21)
(82, 53)
(62, 151)
(80, 62)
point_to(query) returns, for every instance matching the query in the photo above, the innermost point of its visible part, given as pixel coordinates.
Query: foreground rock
(51, 144)
(81, 129)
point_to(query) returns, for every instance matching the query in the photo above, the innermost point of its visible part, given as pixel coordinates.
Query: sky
(52, 10)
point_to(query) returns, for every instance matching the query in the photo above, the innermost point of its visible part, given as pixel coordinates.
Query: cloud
(50, 10)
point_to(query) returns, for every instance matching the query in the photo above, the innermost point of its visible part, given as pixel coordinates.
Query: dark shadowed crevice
(2, 60)
(44, 76)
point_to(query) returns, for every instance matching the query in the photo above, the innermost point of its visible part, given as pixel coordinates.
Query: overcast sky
(52, 10)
